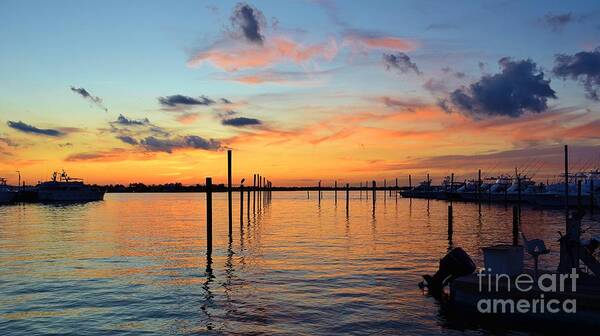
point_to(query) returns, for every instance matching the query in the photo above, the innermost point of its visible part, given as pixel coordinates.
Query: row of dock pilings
(260, 192)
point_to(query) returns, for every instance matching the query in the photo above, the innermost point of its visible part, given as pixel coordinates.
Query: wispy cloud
(88, 96)
(400, 62)
(26, 128)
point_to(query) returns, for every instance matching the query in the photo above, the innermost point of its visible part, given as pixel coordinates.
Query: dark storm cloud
(127, 139)
(122, 120)
(241, 122)
(175, 100)
(25, 128)
(226, 101)
(401, 62)
(556, 22)
(167, 145)
(249, 22)
(584, 67)
(520, 87)
(87, 95)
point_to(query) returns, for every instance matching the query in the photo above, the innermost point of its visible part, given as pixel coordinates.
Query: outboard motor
(455, 264)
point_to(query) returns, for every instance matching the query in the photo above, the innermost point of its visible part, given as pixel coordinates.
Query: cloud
(519, 88)
(241, 122)
(557, 22)
(177, 100)
(25, 128)
(8, 142)
(371, 40)
(167, 145)
(435, 86)
(226, 101)
(584, 67)
(187, 118)
(127, 139)
(400, 62)
(233, 57)
(86, 95)
(249, 23)
(122, 120)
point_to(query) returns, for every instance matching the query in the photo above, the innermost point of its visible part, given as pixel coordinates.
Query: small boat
(67, 189)
(7, 193)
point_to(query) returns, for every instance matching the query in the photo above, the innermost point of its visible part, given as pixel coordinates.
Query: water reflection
(293, 266)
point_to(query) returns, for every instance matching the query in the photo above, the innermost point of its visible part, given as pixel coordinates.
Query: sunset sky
(156, 91)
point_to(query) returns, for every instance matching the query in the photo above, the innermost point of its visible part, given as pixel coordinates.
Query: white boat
(67, 189)
(7, 194)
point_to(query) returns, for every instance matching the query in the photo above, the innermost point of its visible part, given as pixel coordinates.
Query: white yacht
(7, 194)
(66, 189)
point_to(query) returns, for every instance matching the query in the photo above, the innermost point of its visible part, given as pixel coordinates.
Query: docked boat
(63, 188)
(7, 194)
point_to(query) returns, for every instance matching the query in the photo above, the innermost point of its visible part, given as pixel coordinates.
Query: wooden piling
(374, 192)
(319, 191)
(248, 203)
(396, 190)
(479, 186)
(229, 198)
(452, 183)
(367, 189)
(409, 182)
(579, 200)
(384, 189)
(241, 204)
(335, 191)
(515, 226)
(450, 220)
(360, 191)
(591, 195)
(208, 215)
(567, 187)
(254, 194)
(347, 197)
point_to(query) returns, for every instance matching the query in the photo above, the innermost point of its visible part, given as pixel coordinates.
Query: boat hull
(70, 196)
(7, 197)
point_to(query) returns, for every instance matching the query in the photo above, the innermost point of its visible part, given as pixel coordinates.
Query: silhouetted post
(478, 185)
(319, 191)
(241, 204)
(579, 202)
(452, 183)
(254, 194)
(567, 186)
(591, 195)
(450, 219)
(347, 197)
(248, 203)
(384, 189)
(208, 215)
(229, 202)
(258, 192)
(409, 182)
(515, 227)
(374, 192)
(308, 194)
(360, 191)
(396, 191)
(367, 189)
(335, 191)
(519, 193)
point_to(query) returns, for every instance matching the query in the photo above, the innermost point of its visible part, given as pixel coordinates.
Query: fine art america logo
(527, 294)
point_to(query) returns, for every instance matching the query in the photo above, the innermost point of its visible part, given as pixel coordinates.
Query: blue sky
(131, 53)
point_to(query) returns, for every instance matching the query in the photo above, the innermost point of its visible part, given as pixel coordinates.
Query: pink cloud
(363, 41)
(276, 50)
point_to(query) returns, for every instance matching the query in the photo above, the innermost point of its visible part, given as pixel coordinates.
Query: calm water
(136, 263)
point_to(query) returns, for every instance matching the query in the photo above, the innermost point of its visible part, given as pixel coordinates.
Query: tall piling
(567, 187)
(208, 215)
(515, 226)
(374, 192)
(450, 220)
(241, 204)
(335, 191)
(409, 182)
(579, 200)
(591, 195)
(248, 202)
(319, 191)
(254, 194)
(479, 185)
(360, 191)
(347, 197)
(229, 198)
